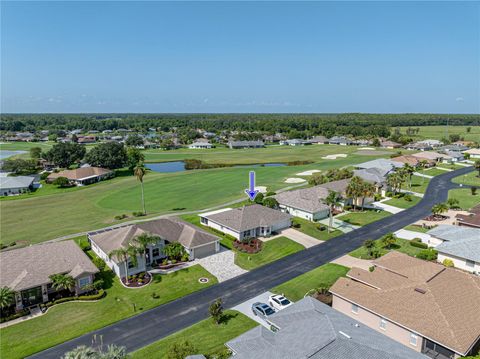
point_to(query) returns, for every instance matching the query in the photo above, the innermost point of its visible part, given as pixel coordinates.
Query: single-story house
(245, 144)
(411, 160)
(424, 305)
(83, 176)
(382, 163)
(417, 146)
(305, 203)
(247, 221)
(448, 233)
(463, 252)
(431, 142)
(453, 148)
(83, 140)
(201, 145)
(431, 155)
(311, 329)
(197, 242)
(27, 270)
(296, 142)
(319, 140)
(339, 140)
(390, 144)
(12, 185)
(473, 152)
(453, 157)
(471, 219)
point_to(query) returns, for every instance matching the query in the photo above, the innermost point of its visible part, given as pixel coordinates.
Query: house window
(413, 339)
(155, 252)
(82, 282)
(203, 220)
(131, 265)
(470, 263)
(355, 308)
(383, 324)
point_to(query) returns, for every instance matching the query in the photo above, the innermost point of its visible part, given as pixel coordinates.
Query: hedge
(418, 244)
(14, 316)
(99, 295)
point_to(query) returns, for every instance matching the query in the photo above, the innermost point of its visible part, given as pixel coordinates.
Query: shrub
(371, 269)
(44, 176)
(407, 197)
(416, 242)
(389, 194)
(14, 316)
(270, 193)
(120, 217)
(98, 284)
(448, 262)
(138, 214)
(427, 254)
(473, 190)
(321, 228)
(377, 197)
(259, 198)
(99, 263)
(154, 295)
(61, 182)
(296, 225)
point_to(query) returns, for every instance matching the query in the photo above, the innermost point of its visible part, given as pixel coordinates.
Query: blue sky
(240, 57)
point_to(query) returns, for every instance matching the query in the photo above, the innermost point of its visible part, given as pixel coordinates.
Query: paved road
(152, 325)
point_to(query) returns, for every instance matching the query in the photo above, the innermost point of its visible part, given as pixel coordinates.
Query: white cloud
(460, 99)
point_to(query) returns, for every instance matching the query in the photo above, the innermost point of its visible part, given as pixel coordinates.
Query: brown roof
(439, 303)
(430, 155)
(171, 229)
(472, 219)
(31, 266)
(80, 173)
(411, 160)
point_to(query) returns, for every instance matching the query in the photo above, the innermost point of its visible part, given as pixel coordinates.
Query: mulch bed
(436, 218)
(254, 246)
(324, 298)
(137, 281)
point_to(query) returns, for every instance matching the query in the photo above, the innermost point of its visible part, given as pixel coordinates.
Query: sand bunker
(367, 148)
(308, 173)
(294, 180)
(335, 156)
(261, 189)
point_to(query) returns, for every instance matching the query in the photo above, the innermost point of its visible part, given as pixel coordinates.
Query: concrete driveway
(296, 236)
(246, 307)
(221, 265)
(409, 235)
(339, 224)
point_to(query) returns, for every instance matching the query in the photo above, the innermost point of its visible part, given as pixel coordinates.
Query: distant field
(439, 132)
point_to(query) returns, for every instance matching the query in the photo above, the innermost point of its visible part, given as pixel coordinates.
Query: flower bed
(137, 280)
(100, 294)
(16, 315)
(254, 246)
(435, 218)
(169, 265)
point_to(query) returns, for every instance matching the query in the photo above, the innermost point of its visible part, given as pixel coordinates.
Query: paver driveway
(221, 265)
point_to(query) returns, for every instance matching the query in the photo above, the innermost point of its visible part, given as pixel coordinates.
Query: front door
(32, 296)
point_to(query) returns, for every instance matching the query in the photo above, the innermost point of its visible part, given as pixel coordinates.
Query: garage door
(204, 251)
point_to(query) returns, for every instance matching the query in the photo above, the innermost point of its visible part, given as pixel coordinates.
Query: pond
(179, 166)
(6, 154)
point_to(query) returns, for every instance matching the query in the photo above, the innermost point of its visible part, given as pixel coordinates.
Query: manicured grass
(465, 197)
(402, 203)
(311, 229)
(419, 184)
(364, 217)
(94, 207)
(296, 288)
(438, 132)
(271, 251)
(401, 245)
(416, 228)
(269, 154)
(207, 337)
(433, 171)
(45, 190)
(470, 178)
(66, 321)
(25, 146)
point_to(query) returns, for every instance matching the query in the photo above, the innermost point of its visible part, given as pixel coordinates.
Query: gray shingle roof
(311, 329)
(467, 248)
(248, 217)
(451, 233)
(375, 175)
(31, 266)
(382, 163)
(306, 199)
(15, 182)
(171, 229)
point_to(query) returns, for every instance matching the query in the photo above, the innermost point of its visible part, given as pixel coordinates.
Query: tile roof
(311, 329)
(436, 302)
(248, 217)
(171, 229)
(16, 182)
(430, 155)
(81, 173)
(411, 160)
(31, 266)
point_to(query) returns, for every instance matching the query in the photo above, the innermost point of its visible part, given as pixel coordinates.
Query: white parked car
(279, 302)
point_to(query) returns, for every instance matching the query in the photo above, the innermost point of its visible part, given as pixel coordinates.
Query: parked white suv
(279, 302)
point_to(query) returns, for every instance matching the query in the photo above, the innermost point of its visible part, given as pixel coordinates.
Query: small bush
(270, 193)
(296, 225)
(154, 295)
(138, 214)
(448, 262)
(418, 243)
(44, 176)
(377, 197)
(321, 228)
(408, 198)
(428, 254)
(120, 217)
(371, 269)
(389, 194)
(99, 263)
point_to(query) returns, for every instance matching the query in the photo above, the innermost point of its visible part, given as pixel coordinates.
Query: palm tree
(476, 165)
(124, 255)
(333, 200)
(393, 181)
(139, 171)
(409, 170)
(62, 282)
(114, 352)
(368, 190)
(439, 208)
(423, 164)
(354, 189)
(7, 296)
(81, 352)
(142, 242)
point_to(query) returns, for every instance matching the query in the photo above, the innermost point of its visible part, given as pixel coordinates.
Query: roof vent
(420, 290)
(345, 334)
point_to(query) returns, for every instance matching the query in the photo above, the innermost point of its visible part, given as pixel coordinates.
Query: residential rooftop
(81, 173)
(451, 233)
(437, 302)
(311, 329)
(16, 182)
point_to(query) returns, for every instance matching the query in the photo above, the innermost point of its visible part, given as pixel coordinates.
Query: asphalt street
(159, 322)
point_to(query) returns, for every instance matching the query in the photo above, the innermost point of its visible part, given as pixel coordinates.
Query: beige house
(83, 176)
(474, 153)
(27, 270)
(423, 305)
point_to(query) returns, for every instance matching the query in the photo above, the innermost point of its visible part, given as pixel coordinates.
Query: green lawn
(207, 337)
(364, 217)
(296, 288)
(311, 229)
(271, 251)
(439, 132)
(465, 197)
(416, 228)
(471, 179)
(402, 203)
(419, 184)
(433, 171)
(401, 245)
(94, 207)
(66, 321)
(25, 146)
